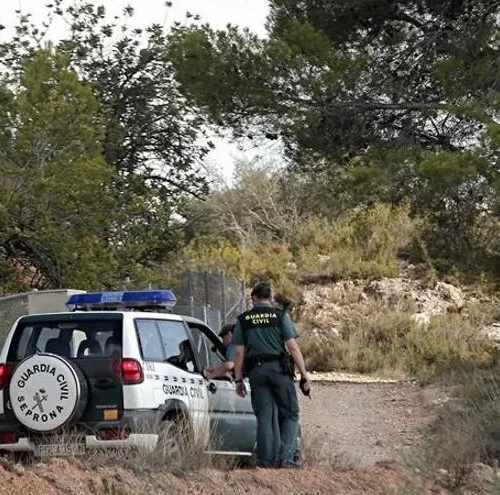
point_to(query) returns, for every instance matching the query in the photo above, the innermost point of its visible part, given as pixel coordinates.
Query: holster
(286, 362)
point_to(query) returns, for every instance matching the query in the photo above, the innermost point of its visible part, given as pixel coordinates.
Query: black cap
(228, 327)
(262, 290)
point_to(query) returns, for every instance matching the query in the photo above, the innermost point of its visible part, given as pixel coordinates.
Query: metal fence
(214, 298)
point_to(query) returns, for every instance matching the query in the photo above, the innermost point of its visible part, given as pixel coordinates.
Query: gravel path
(366, 423)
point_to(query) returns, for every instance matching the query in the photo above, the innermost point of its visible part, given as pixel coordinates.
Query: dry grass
(179, 451)
(315, 451)
(384, 339)
(191, 458)
(466, 432)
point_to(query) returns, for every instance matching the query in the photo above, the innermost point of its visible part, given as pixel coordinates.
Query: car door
(169, 372)
(232, 421)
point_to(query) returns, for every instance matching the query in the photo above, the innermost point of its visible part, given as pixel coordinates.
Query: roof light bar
(145, 299)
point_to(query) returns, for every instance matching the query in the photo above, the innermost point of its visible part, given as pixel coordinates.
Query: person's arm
(239, 357)
(294, 349)
(223, 369)
(289, 336)
(238, 347)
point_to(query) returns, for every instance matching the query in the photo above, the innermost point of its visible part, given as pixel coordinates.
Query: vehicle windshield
(70, 338)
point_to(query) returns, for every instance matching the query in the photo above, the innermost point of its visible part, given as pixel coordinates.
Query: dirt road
(366, 422)
(359, 424)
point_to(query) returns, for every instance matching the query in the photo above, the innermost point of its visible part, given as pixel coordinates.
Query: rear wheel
(171, 445)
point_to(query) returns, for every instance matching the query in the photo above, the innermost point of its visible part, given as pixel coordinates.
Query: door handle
(212, 387)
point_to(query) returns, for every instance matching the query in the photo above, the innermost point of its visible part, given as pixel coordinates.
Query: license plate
(61, 450)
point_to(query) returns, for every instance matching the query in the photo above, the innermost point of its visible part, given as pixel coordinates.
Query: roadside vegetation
(390, 343)
(94, 198)
(462, 445)
(388, 149)
(271, 240)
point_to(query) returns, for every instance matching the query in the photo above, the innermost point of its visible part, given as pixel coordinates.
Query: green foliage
(386, 112)
(55, 209)
(361, 244)
(346, 77)
(62, 223)
(215, 256)
(388, 102)
(98, 150)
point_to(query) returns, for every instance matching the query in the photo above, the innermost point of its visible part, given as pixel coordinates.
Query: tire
(47, 392)
(171, 445)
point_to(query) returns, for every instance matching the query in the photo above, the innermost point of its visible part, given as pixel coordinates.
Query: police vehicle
(119, 369)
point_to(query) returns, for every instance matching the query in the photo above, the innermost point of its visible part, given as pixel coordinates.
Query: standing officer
(262, 337)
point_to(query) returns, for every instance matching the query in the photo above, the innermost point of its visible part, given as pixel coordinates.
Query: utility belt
(285, 359)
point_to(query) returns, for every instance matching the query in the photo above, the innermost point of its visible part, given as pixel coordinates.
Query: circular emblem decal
(44, 392)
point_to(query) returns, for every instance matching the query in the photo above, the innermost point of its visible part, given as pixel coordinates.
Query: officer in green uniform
(264, 339)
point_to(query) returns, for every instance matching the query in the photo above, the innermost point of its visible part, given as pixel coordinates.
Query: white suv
(114, 370)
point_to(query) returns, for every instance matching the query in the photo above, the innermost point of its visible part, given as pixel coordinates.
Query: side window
(176, 344)
(149, 338)
(22, 346)
(205, 348)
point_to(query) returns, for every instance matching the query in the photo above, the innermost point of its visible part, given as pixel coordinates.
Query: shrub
(388, 341)
(362, 244)
(204, 254)
(467, 430)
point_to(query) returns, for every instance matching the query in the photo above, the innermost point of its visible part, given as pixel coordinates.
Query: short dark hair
(262, 290)
(227, 328)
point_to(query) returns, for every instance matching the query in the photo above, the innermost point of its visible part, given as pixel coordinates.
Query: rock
(491, 332)
(451, 294)
(18, 469)
(422, 320)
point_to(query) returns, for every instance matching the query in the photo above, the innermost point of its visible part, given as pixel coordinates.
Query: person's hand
(207, 373)
(305, 386)
(241, 389)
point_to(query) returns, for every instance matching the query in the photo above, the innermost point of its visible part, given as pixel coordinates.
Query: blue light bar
(161, 299)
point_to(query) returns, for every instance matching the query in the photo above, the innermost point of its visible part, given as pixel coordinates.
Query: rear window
(70, 338)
